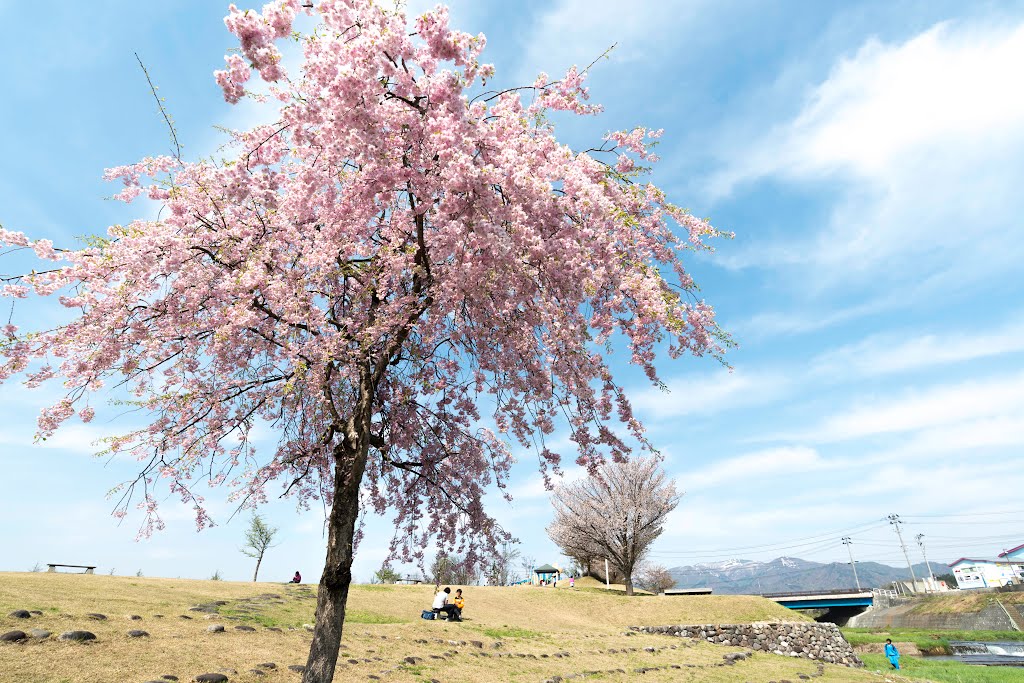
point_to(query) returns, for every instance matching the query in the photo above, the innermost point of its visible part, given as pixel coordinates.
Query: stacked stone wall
(821, 642)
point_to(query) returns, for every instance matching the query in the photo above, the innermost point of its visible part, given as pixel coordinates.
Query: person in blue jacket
(892, 653)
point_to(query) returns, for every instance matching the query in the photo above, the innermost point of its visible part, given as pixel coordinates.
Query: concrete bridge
(835, 606)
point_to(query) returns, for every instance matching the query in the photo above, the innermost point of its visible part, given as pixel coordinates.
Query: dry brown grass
(532, 625)
(964, 601)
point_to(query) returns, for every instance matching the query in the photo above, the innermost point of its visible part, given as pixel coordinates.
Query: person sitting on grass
(297, 578)
(892, 653)
(459, 602)
(441, 605)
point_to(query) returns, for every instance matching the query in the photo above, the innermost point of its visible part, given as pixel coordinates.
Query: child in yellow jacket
(459, 601)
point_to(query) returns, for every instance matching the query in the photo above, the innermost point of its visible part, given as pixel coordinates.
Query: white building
(979, 573)
(1014, 554)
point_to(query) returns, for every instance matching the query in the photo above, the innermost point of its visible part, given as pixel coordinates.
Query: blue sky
(868, 156)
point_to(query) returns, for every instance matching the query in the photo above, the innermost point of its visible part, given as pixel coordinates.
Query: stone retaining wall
(822, 642)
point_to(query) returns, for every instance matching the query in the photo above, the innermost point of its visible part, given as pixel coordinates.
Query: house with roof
(989, 573)
(1014, 554)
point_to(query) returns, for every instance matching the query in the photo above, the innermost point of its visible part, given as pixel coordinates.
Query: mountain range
(791, 574)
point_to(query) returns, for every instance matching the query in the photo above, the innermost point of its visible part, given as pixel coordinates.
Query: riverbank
(942, 670)
(920, 651)
(924, 642)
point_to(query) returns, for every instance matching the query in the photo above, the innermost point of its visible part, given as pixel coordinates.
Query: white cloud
(579, 31)
(950, 83)
(786, 461)
(73, 438)
(891, 353)
(781, 323)
(925, 139)
(708, 393)
(937, 406)
(532, 487)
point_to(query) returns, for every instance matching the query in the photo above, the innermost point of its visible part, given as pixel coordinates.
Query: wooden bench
(87, 568)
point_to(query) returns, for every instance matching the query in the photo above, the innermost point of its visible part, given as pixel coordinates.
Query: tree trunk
(628, 580)
(257, 572)
(350, 461)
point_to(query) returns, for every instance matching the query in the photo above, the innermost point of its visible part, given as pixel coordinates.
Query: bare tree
(654, 578)
(440, 569)
(528, 563)
(451, 569)
(615, 514)
(500, 573)
(258, 539)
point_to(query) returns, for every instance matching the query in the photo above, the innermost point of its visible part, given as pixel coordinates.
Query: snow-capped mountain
(790, 574)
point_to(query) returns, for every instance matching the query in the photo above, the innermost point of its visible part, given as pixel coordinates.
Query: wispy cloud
(709, 393)
(758, 465)
(914, 410)
(578, 31)
(893, 352)
(950, 84)
(923, 141)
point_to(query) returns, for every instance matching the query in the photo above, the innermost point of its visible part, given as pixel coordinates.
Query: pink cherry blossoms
(398, 253)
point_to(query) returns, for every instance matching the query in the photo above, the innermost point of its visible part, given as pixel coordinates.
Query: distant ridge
(740, 577)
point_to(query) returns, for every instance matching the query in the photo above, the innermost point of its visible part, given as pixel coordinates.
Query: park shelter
(545, 573)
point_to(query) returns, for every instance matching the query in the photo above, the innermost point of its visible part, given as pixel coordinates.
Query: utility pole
(607, 576)
(895, 521)
(847, 542)
(924, 553)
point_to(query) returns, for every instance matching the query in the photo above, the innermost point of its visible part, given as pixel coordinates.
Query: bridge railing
(797, 594)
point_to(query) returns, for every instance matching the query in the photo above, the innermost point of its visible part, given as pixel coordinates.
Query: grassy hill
(964, 601)
(509, 634)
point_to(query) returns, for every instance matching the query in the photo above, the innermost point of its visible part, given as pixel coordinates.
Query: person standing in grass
(892, 653)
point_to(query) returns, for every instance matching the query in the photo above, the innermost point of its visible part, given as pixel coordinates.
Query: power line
(966, 514)
(826, 540)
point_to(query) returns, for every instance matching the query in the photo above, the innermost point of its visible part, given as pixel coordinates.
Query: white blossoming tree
(616, 513)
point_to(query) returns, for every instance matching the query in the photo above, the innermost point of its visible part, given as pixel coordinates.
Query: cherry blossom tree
(400, 259)
(615, 513)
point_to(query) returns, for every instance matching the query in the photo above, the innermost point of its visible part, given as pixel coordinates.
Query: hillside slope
(509, 634)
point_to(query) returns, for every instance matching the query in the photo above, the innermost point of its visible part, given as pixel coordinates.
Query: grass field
(509, 634)
(942, 671)
(930, 641)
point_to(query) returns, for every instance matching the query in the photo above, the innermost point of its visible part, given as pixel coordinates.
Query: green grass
(945, 670)
(932, 640)
(358, 616)
(376, 588)
(510, 632)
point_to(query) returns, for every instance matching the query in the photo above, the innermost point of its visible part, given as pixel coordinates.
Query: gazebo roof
(546, 569)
